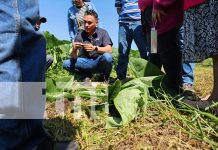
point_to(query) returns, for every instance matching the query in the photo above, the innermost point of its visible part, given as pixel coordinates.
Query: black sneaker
(204, 105)
(48, 144)
(66, 146)
(188, 87)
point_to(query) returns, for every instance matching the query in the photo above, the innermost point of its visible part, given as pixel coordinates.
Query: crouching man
(91, 52)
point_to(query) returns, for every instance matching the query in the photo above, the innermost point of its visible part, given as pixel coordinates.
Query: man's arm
(75, 49)
(118, 5)
(105, 49)
(118, 10)
(107, 42)
(77, 44)
(71, 26)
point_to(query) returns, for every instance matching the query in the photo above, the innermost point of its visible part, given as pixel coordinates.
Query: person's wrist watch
(96, 48)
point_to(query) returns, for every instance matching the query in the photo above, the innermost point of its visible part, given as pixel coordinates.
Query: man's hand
(156, 15)
(76, 46)
(88, 47)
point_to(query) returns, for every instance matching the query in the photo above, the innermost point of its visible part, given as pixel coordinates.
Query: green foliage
(141, 68)
(127, 106)
(58, 89)
(59, 49)
(52, 41)
(113, 90)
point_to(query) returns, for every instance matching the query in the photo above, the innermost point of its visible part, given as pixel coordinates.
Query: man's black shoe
(66, 145)
(48, 144)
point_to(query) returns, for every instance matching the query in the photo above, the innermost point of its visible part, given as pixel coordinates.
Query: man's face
(90, 23)
(78, 3)
(38, 23)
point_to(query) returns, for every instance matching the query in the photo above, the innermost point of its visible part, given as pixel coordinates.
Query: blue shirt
(71, 16)
(129, 10)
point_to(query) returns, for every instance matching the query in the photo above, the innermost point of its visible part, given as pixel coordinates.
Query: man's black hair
(91, 13)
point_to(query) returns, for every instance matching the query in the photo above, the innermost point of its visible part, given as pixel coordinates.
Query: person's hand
(156, 15)
(88, 47)
(76, 46)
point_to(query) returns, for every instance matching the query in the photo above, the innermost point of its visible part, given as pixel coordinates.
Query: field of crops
(140, 114)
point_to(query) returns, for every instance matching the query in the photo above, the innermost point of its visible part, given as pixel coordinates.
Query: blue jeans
(187, 68)
(102, 64)
(22, 60)
(188, 73)
(127, 33)
(49, 61)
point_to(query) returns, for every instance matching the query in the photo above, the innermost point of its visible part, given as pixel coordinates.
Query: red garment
(173, 10)
(191, 3)
(144, 4)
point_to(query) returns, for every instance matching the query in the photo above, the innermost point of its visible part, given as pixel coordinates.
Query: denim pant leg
(22, 60)
(187, 68)
(140, 39)
(125, 41)
(188, 73)
(170, 57)
(49, 61)
(69, 64)
(82, 65)
(104, 66)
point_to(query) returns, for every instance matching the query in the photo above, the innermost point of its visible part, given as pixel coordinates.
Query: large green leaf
(142, 82)
(65, 83)
(141, 68)
(50, 86)
(113, 90)
(57, 89)
(128, 103)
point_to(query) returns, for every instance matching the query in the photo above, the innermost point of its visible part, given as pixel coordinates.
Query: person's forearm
(106, 49)
(118, 10)
(71, 29)
(74, 54)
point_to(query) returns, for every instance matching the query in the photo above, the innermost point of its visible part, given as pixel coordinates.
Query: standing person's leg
(188, 75)
(202, 104)
(125, 41)
(187, 68)
(140, 39)
(214, 94)
(22, 61)
(170, 57)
